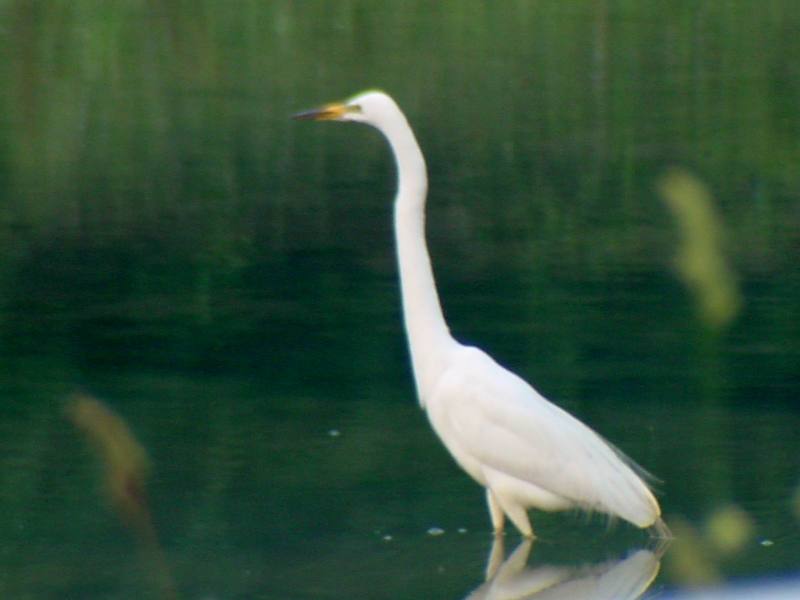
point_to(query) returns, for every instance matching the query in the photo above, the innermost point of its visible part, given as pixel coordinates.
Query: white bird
(526, 451)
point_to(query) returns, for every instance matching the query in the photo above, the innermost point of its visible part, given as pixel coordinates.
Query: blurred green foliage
(145, 149)
(701, 259)
(698, 555)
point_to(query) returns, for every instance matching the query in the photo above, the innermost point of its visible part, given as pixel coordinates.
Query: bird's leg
(495, 512)
(519, 517)
(515, 512)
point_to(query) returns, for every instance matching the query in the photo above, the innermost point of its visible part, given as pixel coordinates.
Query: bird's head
(368, 107)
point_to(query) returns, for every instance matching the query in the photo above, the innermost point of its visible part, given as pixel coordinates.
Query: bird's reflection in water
(624, 579)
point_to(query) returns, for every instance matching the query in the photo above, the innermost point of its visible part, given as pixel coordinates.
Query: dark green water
(224, 279)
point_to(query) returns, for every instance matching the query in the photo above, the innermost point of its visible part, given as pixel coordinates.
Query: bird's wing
(507, 426)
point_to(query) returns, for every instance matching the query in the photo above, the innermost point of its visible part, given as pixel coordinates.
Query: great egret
(524, 450)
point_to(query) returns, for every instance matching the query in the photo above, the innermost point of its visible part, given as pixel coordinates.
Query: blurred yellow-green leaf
(701, 259)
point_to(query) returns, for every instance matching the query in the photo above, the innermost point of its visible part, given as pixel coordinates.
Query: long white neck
(428, 335)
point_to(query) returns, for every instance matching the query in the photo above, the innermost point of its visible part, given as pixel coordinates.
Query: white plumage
(526, 451)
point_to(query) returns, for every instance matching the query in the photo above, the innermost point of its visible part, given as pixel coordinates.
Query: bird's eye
(355, 108)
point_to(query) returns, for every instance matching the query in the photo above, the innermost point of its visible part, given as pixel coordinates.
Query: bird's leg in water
(495, 512)
(519, 516)
(515, 512)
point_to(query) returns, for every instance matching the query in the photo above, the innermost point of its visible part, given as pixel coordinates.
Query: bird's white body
(526, 451)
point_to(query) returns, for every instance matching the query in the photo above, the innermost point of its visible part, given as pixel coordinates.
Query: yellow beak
(329, 112)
